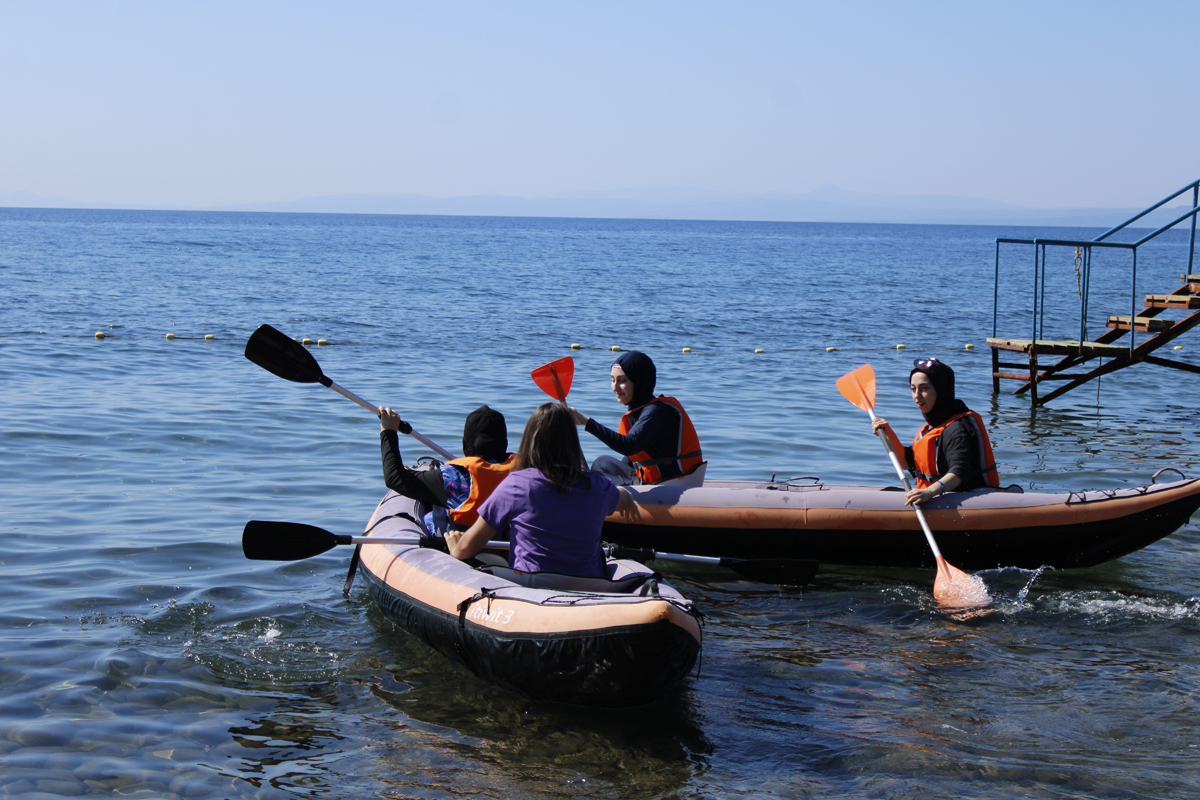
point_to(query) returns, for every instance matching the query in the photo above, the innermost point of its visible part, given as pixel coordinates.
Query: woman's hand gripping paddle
(285, 357)
(952, 587)
(555, 378)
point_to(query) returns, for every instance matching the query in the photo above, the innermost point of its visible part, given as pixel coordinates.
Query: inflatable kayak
(871, 526)
(623, 640)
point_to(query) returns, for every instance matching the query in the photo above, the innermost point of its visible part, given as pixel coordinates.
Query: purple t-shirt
(552, 531)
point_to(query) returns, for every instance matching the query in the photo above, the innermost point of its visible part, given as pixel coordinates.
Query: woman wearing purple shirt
(551, 506)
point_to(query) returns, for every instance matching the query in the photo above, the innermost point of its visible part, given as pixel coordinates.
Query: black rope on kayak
(482, 594)
(354, 559)
(401, 515)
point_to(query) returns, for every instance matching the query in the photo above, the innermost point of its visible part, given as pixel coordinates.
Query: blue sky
(198, 104)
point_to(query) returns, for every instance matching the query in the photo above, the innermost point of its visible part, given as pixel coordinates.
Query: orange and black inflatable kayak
(871, 526)
(623, 640)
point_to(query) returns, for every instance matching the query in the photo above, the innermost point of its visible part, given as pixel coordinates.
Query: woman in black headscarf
(655, 436)
(951, 451)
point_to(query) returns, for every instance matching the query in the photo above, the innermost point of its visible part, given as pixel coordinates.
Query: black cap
(485, 435)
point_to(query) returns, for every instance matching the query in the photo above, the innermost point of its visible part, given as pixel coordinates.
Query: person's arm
(903, 454)
(656, 422)
(424, 486)
(465, 544)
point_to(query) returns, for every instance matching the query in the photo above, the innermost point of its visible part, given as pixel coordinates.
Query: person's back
(552, 508)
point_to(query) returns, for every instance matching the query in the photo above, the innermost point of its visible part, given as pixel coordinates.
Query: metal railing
(1084, 250)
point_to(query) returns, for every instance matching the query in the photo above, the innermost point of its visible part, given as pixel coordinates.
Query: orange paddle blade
(859, 387)
(954, 588)
(555, 378)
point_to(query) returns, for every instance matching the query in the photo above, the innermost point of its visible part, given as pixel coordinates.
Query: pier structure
(1074, 362)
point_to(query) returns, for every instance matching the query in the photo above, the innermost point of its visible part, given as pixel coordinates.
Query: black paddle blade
(283, 356)
(783, 571)
(285, 541)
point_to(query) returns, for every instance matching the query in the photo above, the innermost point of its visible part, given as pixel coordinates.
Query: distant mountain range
(827, 204)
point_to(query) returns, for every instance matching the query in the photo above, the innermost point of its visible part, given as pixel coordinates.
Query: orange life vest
(485, 477)
(687, 449)
(925, 452)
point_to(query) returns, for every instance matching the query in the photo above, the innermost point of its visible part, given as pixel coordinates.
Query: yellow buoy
(575, 346)
(208, 337)
(969, 347)
(759, 350)
(899, 347)
(830, 349)
(321, 342)
(615, 348)
(170, 336)
(687, 349)
(1178, 347)
(306, 340)
(99, 334)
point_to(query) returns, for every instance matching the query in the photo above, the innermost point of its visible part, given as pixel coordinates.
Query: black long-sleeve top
(424, 486)
(655, 429)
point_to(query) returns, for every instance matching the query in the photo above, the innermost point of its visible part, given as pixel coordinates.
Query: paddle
(555, 378)
(285, 357)
(293, 541)
(952, 587)
(787, 571)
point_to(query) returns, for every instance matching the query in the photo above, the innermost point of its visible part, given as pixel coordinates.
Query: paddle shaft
(887, 445)
(562, 396)
(375, 410)
(414, 540)
(649, 555)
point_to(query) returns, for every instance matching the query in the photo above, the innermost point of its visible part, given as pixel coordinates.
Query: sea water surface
(143, 656)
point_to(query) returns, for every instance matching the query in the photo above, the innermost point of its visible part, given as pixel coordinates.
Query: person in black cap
(951, 452)
(655, 436)
(455, 491)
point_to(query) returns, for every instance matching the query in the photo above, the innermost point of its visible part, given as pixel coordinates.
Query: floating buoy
(969, 347)
(575, 346)
(1178, 347)
(615, 348)
(208, 337)
(687, 349)
(99, 334)
(170, 336)
(899, 347)
(321, 342)
(830, 349)
(306, 340)
(759, 350)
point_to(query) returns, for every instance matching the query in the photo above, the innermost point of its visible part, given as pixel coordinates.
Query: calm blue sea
(142, 655)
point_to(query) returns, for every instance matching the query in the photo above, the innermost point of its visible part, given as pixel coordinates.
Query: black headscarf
(942, 378)
(485, 435)
(640, 370)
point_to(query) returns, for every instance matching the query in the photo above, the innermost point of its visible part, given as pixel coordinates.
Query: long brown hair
(550, 444)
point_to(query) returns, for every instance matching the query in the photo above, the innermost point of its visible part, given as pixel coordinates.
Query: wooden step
(1172, 301)
(1140, 323)
(1056, 347)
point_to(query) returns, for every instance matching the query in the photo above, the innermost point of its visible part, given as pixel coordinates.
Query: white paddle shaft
(887, 445)
(414, 540)
(375, 410)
